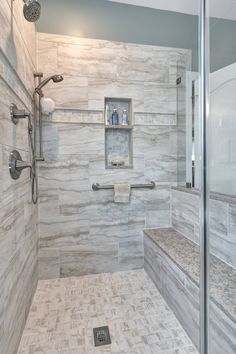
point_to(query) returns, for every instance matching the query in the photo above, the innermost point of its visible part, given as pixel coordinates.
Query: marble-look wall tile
(75, 220)
(145, 67)
(11, 134)
(13, 44)
(71, 93)
(98, 174)
(76, 116)
(27, 29)
(151, 141)
(222, 331)
(232, 221)
(222, 245)
(19, 247)
(47, 55)
(18, 218)
(185, 214)
(101, 87)
(161, 168)
(87, 60)
(113, 69)
(219, 212)
(159, 98)
(157, 206)
(88, 259)
(222, 232)
(68, 232)
(157, 218)
(80, 219)
(154, 119)
(49, 263)
(83, 138)
(14, 83)
(130, 253)
(172, 284)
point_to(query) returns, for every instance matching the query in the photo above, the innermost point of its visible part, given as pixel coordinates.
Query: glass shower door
(221, 178)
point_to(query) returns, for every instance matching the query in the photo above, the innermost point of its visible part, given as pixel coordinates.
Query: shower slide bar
(98, 186)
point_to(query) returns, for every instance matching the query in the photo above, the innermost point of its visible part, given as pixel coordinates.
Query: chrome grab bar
(98, 186)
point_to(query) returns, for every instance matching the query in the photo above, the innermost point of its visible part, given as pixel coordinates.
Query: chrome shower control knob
(17, 114)
(16, 164)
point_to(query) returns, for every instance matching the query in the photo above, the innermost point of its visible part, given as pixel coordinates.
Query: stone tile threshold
(65, 311)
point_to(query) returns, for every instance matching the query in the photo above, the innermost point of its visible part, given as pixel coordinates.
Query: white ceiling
(218, 8)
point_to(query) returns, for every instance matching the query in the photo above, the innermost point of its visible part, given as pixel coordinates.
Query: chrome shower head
(54, 78)
(32, 10)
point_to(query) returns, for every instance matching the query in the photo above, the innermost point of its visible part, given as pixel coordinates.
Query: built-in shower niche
(118, 148)
(120, 104)
(118, 137)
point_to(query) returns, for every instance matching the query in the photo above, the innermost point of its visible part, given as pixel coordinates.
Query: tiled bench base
(181, 292)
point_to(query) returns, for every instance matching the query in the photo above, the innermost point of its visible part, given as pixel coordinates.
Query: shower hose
(34, 177)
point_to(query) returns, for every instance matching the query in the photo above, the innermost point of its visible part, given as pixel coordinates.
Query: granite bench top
(186, 254)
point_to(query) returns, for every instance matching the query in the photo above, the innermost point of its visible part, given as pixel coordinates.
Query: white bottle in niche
(125, 118)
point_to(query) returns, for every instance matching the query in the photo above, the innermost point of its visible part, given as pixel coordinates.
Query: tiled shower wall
(82, 231)
(222, 225)
(18, 217)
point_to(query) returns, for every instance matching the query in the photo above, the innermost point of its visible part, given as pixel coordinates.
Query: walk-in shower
(131, 162)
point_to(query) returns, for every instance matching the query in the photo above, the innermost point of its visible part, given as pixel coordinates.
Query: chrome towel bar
(98, 186)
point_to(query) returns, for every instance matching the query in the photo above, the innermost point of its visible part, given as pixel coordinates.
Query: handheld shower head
(32, 10)
(54, 78)
(57, 78)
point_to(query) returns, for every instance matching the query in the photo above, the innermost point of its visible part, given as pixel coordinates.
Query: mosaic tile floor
(65, 311)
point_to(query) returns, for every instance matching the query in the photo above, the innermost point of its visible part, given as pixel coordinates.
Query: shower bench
(172, 262)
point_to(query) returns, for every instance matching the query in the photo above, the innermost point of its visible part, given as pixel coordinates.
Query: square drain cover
(101, 336)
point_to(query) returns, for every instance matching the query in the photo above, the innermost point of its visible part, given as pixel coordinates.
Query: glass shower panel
(181, 123)
(186, 114)
(187, 119)
(185, 198)
(221, 146)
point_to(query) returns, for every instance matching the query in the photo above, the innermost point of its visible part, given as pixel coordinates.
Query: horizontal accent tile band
(71, 115)
(76, 116)
(155, 118)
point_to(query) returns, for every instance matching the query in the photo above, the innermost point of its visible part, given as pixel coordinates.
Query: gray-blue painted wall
(103, 19)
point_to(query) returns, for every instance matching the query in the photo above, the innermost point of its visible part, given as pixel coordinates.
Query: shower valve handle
(21, 165)
(17, 114)
(16, 164)
(21, 113)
